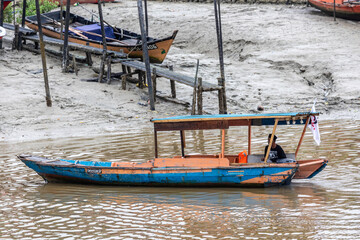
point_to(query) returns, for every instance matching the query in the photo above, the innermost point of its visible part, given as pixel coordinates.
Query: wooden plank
(191, 126)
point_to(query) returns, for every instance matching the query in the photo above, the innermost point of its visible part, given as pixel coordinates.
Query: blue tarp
(96, 28)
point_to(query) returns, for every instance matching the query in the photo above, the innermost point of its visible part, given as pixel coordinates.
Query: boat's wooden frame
(188, 170)
(157, 48)
(343, 9)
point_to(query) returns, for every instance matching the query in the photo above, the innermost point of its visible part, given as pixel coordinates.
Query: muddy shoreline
(280, 57)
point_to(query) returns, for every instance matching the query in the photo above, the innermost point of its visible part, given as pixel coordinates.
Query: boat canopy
(224, 121)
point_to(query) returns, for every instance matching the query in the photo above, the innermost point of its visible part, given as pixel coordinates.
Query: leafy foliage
(45, 6)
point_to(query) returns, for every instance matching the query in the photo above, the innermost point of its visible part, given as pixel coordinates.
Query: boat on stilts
(86, 32)
(220, 169)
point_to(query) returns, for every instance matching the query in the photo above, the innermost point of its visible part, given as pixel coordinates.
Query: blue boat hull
(102, 173)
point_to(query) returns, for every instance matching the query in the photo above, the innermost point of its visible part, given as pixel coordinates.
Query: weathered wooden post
(334, 12)
(61, 19)
(223, 109)
(102, 64)
(123, 82)
(108, 75)
(146, 55)
(1, 18)
(194, 91)
(146, 18)
(220, 96)
(43, 58)
(65, 61)
(172, 84)
(154, 83)
(199, 96)
(16, 37)
(23, 14)
(89, 59)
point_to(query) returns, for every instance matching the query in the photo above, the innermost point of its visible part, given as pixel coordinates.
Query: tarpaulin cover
(96, 28)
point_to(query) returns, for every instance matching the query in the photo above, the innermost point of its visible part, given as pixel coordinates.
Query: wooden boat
(6, 3)
(88, 33)
(346, 9)
(189, 170)
(2, 32)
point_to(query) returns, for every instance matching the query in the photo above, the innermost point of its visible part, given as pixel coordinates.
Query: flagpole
(302, 136)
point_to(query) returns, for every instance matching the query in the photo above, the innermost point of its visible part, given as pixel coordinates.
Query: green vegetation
(45, 6)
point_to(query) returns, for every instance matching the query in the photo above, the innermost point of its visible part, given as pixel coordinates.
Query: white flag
(314, 126)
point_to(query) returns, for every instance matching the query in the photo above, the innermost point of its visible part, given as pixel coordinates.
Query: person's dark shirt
(275, 153)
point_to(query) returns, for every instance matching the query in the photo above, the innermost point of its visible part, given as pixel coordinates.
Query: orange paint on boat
(343, 9)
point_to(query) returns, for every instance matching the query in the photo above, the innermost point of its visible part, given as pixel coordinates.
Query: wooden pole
(102, 64)
(271, 140)
(146, 55)
(1, 18)
(222, 155)
(23, 14)
(223, 109)
(156, 144)
(108, 75)
(146, 18)
(43, 58)
(154, 83)
(249, 137)
(194, 91)
(61, 19)
(199, 96)
(123, 82)
(182, 137)
(334, 12)
(65, 61)
(302, 136)
(172, 84)
(89, 59)
(220, 97)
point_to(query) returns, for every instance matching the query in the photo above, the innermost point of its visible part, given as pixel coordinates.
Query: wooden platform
(177, 77)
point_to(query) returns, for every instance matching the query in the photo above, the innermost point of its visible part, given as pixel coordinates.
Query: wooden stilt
(123, 82)
(76, 70)
(65, 61)
(154, 83)
(1, 19)
(104, 55)
(220, 97)
(89, 59)
(199, 96)
(302, 136)
(172, 84)
(271, 140)
(23, 14)
(195, 89)
(43, 58)
(108, 76)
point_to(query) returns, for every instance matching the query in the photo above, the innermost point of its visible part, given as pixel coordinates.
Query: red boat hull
(343, 9)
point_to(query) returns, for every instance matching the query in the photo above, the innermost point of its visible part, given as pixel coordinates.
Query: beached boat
(239, 170)
(343, 9)
(88, 33)
(6, 3)
(2, 32)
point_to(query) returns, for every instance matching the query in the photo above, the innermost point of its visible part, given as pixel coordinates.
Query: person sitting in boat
(276, 151)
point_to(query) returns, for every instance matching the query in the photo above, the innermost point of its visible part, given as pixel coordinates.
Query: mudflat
(279, 57)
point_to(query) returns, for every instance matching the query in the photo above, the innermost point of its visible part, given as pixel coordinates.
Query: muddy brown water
(327, 206)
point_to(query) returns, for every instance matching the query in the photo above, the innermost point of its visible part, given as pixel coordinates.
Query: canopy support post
(302, 136)
(222, 155)
(182, 136)
(249, 137)
(271, 140)
(156, 144)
